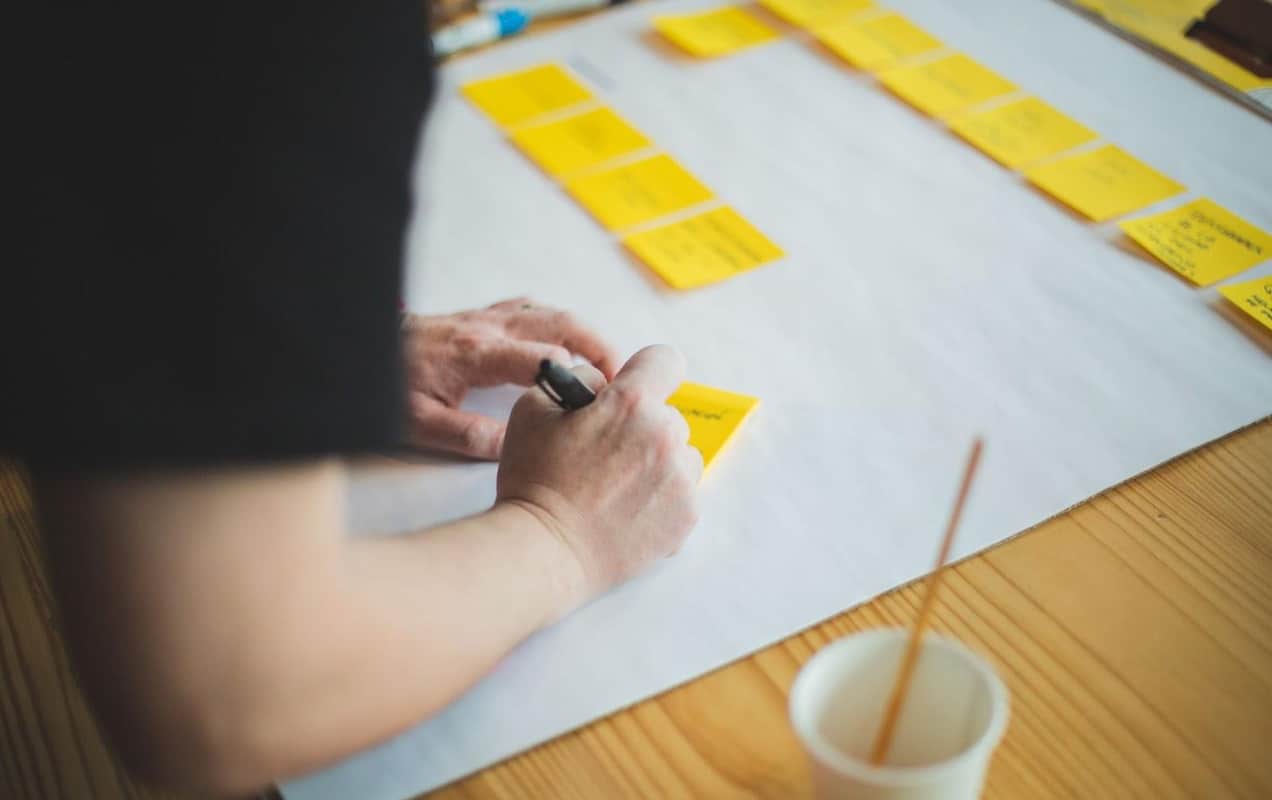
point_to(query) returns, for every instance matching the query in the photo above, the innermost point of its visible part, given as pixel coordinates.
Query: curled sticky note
(703, 249)
(516, 97)
(1201, 240)
(1103, 183)
(714, 416)
(714, 33)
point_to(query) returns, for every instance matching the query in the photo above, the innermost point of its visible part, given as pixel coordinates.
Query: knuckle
(626, 398)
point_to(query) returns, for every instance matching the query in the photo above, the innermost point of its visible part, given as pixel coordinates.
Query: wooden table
(1135, 634)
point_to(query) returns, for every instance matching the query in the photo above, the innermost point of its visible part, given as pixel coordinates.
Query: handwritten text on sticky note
(714, 416)
(947, 85)
(806, 13)
(637, 192)
(1201, 240)
(703, 249)
(877, 42)
(1021, 132)
(1253, 297)
(1103, 183)
(579, 142)
(519, 96)
(718, 32)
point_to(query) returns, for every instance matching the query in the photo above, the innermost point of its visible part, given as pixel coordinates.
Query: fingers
(438, 426)
(590, 375)
(514, 361)
(656, 370)
(561, 328)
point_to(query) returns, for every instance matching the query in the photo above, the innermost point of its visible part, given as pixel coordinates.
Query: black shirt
(215, 199)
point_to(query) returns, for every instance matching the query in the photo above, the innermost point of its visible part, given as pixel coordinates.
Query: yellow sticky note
(877, 42)
(637, 192)
(579, 142)
(1253, 297)
(518, 96)
(811, 12)
(1103, 183)
(714, 416)
(713, 33)
(1021, 132)
(703, 249)
(947, 85)
(1201, 240)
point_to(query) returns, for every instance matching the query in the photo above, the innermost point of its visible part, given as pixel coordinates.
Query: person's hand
(614, 480)
(449, 354)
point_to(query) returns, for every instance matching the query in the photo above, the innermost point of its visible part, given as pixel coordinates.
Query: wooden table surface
(1134, 632)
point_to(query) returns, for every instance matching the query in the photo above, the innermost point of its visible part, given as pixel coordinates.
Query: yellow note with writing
(579, 142)
(1022, 132)
(519, 96)
(947, 85)
(637, 192)
(714, 416)
(1253, 297)
(713, 33)
(1201, 240)
(703, 249)
(877, 42)
(1103, 183)
(806, 13)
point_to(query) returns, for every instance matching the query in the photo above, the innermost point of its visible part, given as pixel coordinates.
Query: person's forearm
(424, 616)
(230, 632)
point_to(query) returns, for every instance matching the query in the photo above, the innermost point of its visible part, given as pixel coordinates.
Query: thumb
(535, 402)
(437, 426)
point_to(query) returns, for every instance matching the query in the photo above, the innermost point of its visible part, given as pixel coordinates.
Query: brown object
(896, 699)
(1134, 633)
(1239, 30)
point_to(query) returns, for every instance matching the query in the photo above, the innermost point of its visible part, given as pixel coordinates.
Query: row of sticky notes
(1200, 240)
(601, 162)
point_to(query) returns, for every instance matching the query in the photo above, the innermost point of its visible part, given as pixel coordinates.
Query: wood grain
(1134, 632)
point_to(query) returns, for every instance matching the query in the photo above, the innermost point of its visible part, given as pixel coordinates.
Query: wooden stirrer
(897, 698)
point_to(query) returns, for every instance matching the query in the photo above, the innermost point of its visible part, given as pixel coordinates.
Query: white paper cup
(953, 717)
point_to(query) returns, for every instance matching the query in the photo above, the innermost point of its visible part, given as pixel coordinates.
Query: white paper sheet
(928, 294)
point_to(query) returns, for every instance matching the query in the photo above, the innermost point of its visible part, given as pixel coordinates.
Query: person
(204, 330)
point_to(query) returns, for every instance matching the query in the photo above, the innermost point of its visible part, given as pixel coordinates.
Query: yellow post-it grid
(1103, 183)
(1021, 132)
(520, 96)
(703, 249)
(714, 33)
(806, 13)
(579, 142)
(947, 85)
(877, 42)
(638, 192)
(714, 416)
(1201, 240)
(1253, 297)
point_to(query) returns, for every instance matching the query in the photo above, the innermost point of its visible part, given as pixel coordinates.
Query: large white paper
(928, 294)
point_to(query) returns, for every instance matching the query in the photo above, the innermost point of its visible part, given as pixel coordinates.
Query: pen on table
(489, 26)
(563, 386)
(547, 9)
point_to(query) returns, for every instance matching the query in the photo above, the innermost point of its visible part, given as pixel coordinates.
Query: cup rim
(806, 732)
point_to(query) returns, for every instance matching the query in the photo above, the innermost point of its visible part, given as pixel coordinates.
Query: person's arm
(229, 633)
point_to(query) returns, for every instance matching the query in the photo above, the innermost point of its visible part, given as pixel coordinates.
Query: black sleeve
(216, 198)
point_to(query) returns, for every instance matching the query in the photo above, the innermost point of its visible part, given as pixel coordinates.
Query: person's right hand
(615, 480)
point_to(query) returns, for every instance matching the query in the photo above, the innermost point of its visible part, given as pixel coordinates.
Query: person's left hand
(448, 354)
